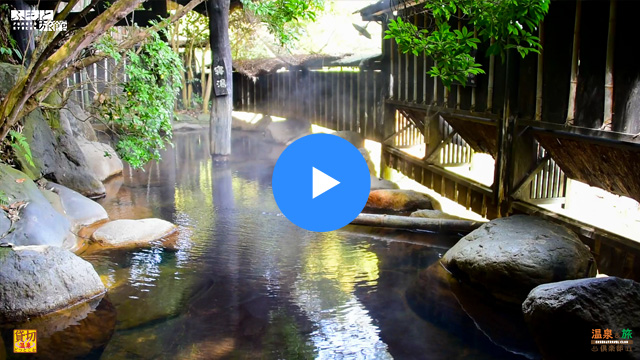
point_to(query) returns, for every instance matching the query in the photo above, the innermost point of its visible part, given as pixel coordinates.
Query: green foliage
(508, 24)
(20, 145)
(109, 45)
(141, 115)
(195, 28)
(284, 18)
(8, 46)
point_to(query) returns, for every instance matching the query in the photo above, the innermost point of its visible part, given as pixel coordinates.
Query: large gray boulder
(80, 210)
(396, 200)
(510, 256)
(286, 131)
(39, 223)
(78, 120)
(37, 280)
(102, 159)
(580, 306)
(123, 233)
(56, 155)
(5, 224)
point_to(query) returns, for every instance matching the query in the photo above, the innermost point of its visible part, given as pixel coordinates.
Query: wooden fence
(333, 98)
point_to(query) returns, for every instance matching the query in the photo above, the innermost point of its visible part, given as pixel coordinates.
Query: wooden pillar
(575, 54)
(540, 73)
(608, 82)
(220, 128)
(504, 161)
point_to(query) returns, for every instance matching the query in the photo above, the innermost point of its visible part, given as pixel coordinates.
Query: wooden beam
(485, 118)
(417, 223)
(596, 136)
(531, 174)
(446, 141)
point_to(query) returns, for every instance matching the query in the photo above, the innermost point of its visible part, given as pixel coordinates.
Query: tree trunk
(220, 128)
(417, 223)
(203, 78)
(192, 55)
(185, 103)
(207, 92)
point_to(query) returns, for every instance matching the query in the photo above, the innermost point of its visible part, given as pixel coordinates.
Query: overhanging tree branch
(36, 78)
(125, 45)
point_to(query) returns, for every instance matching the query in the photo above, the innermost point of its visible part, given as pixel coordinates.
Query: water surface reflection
(241, 282)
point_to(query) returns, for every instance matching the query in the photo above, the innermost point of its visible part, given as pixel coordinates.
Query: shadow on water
(241, 282)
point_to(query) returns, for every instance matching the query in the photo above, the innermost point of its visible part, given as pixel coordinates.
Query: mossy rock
(40, 223)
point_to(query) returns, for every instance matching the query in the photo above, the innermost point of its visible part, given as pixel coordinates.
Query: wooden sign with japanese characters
(219, 77)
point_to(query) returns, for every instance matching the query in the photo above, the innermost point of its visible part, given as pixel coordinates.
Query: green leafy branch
(508, 24)
(284, 18)
(141, 115)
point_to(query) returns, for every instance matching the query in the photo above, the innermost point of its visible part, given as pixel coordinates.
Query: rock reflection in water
(82, 331)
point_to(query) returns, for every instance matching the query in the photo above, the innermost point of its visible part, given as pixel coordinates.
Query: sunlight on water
(239, 281)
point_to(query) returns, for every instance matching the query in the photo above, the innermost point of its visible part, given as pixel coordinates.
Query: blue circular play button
(321, 182)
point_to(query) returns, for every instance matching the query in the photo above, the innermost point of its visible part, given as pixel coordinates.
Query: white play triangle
(322, 182)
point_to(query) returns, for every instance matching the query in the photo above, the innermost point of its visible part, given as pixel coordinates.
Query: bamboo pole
(416, 223)
(538, 116)
(608, 80)
(571, 111)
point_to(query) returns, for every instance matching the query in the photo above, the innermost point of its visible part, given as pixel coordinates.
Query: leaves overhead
(284, 18)
(508, 24)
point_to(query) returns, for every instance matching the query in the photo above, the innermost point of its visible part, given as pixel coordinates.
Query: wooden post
(415, 68)
(540, 73)
(220, 128)
(492, 67)
(608, 80)
(406, 77)
(435, 87)
(473, 89)
(571, 110)
(503, 169)
(392, 79)
(374, 103)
